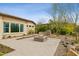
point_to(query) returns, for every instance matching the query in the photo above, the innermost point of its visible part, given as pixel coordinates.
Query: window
(29, 25)
(6, 27)
(32, 26)
(14, 27)
(17, 27)
(21, 27)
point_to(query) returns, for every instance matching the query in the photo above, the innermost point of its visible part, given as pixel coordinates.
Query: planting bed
(4, 49)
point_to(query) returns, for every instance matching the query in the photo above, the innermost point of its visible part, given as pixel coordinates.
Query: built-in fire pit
(40, 38)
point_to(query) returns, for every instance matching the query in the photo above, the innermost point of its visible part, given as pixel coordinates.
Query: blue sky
(36, 12)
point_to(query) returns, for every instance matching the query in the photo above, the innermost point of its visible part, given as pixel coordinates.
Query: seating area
(29, 47)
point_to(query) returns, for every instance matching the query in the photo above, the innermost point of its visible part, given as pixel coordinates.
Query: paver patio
(28, 47)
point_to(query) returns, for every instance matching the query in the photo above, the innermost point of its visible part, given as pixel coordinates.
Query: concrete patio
(28, 47)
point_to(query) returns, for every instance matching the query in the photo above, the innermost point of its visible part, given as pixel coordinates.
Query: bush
(41, 28)
(31, 31)
(1, 53)
(56, 27)
(77, 29)
(73, 34)
(67, 29)
(70, 28)
(53, 30)
(63, 31)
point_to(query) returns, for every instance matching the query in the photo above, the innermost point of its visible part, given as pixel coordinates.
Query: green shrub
(63, 31)
(1, 53)
(73, 34)
(31, 31)
(56, 27)
(77, 29)
(41, 28)
(53, 30)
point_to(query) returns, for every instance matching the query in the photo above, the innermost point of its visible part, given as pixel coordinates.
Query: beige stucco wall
(13, 20)
(30, 28)
(1, 26)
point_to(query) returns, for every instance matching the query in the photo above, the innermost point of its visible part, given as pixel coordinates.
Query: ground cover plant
(4, 49)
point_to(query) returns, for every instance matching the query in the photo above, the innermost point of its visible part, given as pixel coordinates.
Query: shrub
(67, 29)
(31, 31)
(53, 30)
(77, 29)
(70, 28)
(73, 34)
(56, 27)
(1, 53)
(41, 28)
(63, 31)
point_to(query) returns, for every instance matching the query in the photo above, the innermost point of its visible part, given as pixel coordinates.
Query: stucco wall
(1, 24)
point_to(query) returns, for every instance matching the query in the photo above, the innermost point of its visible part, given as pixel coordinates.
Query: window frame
(30, 26)
(14, 27)
(21, 28)
(6, 27)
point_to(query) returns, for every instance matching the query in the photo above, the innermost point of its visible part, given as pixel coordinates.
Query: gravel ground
(61, 50)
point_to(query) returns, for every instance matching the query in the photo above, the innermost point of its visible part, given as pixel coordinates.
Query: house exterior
(14, 26)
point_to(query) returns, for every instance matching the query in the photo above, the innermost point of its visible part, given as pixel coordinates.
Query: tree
(63, 14)
(58, 16)
(40, 27)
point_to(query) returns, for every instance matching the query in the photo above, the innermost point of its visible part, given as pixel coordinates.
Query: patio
(29, 47)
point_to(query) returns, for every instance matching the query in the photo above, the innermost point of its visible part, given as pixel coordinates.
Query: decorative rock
(77, 48)
(71, 47)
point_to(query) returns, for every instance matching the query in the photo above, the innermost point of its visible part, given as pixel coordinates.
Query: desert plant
(1, 53)
(41, 27)
(31, 31)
